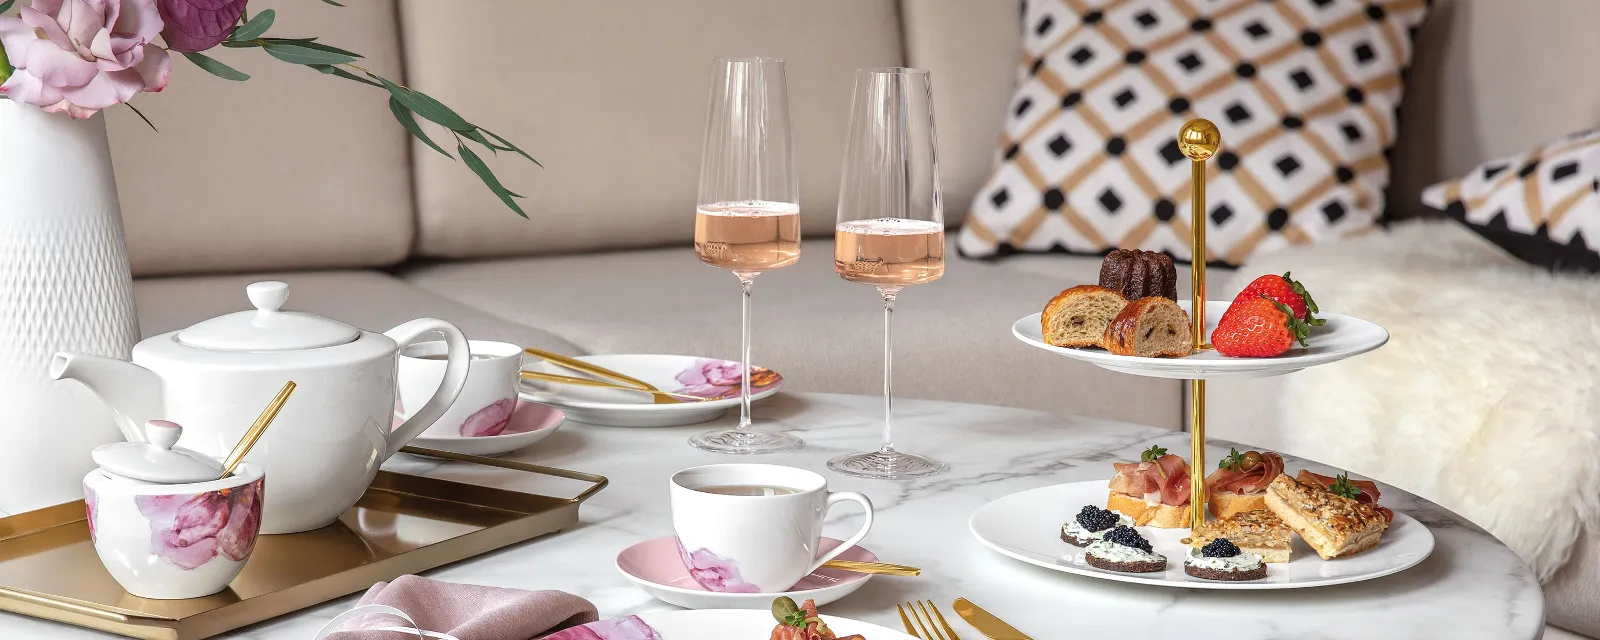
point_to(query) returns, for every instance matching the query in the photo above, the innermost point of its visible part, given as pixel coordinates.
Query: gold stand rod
(1199, 139)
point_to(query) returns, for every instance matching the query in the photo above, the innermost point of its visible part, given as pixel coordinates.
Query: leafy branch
(405, 103)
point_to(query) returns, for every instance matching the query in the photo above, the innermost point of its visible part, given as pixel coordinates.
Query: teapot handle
(455, 375)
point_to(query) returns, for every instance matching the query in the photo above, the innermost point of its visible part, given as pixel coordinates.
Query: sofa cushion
(953, 336)
(367, 299)
(291, 169)
(611, 97)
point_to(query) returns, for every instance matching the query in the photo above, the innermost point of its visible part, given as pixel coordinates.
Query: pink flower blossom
(714, 572)
(711, 371)
(197, 25)
(624, 628)
(191, 530)
(490, 420)
(81, 56)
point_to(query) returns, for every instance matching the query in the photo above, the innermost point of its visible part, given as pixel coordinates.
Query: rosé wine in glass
(747, 236)
(889, 251)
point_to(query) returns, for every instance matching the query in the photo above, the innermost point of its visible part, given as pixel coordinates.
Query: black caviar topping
(1127, 537)
(1094, 518)
(1220, 548)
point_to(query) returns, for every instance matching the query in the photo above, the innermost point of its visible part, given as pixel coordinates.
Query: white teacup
(754, 543)
(488, 397)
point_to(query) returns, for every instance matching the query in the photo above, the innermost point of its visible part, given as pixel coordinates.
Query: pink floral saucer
(530, 422)
(657, 567)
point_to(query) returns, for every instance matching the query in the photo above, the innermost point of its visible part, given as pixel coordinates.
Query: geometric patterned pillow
(1542, 207)
(1304, 92)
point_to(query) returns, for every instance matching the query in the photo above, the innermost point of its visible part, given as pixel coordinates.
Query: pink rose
(81, 56)
(197, 25)
(191, 530)
(713, 372)
(713, 572)
(490, 420)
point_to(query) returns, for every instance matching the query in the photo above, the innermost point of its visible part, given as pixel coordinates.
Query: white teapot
(215, 376)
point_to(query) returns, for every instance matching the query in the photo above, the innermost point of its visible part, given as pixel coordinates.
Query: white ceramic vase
(64, 286)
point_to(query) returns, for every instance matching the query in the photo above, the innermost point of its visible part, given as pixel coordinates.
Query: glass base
(888, 465)
(745, 441)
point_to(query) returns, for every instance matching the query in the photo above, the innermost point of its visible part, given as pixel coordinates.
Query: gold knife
(985, 622)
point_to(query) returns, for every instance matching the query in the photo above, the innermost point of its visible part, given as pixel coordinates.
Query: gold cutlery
(661, 397)
(255, 431)
(858, 566)
(926, 622)
(985, 622)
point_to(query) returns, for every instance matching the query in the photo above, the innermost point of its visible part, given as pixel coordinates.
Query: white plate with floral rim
(1342, 337)
(729, 624)
(657, 567)
(1027, 526)
(715, 380)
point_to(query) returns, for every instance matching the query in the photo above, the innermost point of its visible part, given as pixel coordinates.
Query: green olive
(1252, 459)
(782, 607)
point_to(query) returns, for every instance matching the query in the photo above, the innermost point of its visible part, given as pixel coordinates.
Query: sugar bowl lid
(157, 461)
(267, 327)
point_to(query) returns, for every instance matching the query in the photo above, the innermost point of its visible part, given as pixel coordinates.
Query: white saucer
(719, 624)
(655, 566)
(530, 423)
(678, 374)
(1343, 336)
(1027, 526)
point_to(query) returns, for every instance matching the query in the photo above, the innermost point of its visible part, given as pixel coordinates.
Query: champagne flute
(747, 218)
(890, 231)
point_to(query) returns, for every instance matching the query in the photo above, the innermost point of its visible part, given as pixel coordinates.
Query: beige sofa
(306, 178)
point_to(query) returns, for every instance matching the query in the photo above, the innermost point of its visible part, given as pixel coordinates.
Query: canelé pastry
(1140, 274)
(1150, 327)
(1078, 316)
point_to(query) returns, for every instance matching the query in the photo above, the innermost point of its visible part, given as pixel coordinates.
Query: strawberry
(1285, 290)
(1258, 328)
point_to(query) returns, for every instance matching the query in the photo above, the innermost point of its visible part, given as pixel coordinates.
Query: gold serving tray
(402, 524)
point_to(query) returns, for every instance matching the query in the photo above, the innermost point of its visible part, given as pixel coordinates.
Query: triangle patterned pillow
(1303, 91)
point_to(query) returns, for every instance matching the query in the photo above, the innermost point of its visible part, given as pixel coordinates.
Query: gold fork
(926, 621)
(657, 395)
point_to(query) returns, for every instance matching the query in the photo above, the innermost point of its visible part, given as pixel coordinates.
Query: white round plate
(1027, 526)
(655, 566)
(732, 624)
(692, 375)
(530, 423)
(1343, 336)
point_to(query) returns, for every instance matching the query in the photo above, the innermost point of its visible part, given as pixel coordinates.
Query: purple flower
(624, 628)
(711, 371)
(81, 56)
(197, 25)
(713, 572)
(191, 530)
(490, 420)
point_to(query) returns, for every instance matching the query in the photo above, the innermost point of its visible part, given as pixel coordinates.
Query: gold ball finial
(1199, 139)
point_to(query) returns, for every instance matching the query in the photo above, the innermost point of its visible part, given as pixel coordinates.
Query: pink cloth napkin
(467, 611)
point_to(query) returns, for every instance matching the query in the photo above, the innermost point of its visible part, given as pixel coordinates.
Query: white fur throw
(1487, 397)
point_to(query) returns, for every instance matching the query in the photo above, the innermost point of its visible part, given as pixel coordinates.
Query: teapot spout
(133, 392)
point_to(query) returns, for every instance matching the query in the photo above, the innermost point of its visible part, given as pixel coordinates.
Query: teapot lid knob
(268, 296)
(162, 433)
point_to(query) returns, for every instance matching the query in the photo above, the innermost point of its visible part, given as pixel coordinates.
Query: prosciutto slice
(1369, 490)
(812, 630)
(1246, 482)
(1168, 476)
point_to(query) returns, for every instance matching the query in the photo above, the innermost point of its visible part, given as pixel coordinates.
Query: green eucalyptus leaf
(506, 144)
(254, 27)
(332, 3)
(424, 105)
(215, 67)
(487, 176)
(409, 121)
(242, 44)
(6, 6)
(309, 43)
(474, 136)
(339, 71)
(299, 53)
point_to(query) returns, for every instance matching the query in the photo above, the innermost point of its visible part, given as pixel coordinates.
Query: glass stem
(889, 293)
(746, 278)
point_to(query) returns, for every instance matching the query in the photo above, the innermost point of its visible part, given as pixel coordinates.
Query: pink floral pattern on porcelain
(715, 379)
(190, 530)
(624, 628)
(490, 420)
(714, 572)
(91, 502)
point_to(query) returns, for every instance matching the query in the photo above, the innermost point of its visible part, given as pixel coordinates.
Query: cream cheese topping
(1241, 562)
(1120, 553)
(1072, 528)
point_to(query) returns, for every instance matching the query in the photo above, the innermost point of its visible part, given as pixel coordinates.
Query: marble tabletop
(1471, 587)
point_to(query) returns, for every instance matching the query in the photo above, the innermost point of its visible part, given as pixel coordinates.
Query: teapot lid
(267, 328)
(157, 461)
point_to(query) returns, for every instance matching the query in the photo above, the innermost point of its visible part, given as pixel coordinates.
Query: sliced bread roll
(1150, 327)
(1226, 503)
(1078, 316)
(1164, 516)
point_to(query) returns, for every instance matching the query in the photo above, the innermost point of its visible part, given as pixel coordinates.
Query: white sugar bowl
(163, 525)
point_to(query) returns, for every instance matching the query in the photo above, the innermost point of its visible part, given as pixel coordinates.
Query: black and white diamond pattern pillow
(1304, 91)
(1542, 206)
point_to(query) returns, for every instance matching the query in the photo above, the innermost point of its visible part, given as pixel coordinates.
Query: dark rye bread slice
(1137, 566)
(1075, 540)
(1226, 576)
(1139, 274)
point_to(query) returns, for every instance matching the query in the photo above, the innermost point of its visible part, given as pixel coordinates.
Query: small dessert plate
(713, 379)
(731, 624)
(656, 566)
(1342, 337)
(530, 423)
